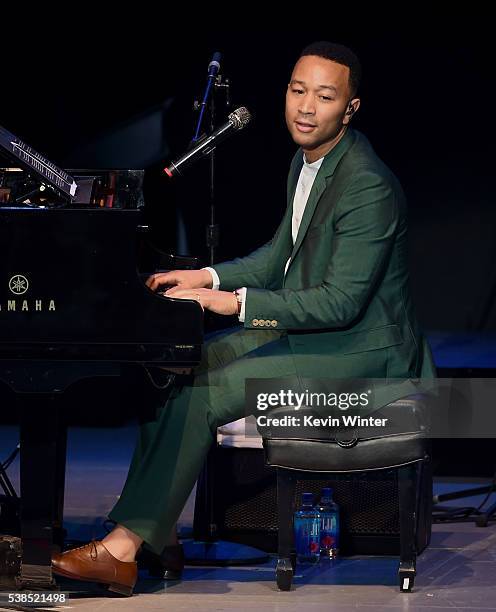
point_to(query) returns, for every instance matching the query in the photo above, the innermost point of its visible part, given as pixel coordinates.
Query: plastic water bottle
(307, 531)
(329, 525)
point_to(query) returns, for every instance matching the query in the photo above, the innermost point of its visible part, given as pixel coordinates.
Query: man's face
(316, 104)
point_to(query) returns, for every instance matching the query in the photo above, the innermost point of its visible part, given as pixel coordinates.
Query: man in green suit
(327, 296)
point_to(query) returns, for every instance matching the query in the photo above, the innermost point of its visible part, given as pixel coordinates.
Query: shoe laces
(93, 551)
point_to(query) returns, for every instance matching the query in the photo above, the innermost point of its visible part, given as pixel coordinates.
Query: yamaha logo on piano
(19, 285)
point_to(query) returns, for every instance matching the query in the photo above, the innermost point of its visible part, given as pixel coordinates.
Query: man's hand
(221, 302)
(183, 279)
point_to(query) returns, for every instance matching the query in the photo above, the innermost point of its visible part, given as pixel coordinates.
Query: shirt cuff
(242, 294)
(215, 278)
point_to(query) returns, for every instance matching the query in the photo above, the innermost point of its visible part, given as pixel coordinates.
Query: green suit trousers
(176, 435)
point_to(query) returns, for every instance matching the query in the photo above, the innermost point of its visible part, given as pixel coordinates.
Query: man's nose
(306, 106)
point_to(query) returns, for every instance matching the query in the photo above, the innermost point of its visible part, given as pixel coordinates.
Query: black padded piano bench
(324, 451)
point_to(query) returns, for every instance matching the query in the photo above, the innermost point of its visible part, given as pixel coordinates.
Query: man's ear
(353, 106)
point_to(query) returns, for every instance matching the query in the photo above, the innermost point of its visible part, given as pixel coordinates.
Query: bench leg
(408, 479)
(286, 562)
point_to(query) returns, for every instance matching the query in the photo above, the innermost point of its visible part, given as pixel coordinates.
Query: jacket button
(255, 322)
(267, 323)
(273, 323)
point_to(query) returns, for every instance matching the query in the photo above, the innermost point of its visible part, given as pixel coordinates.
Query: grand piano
(73, 305)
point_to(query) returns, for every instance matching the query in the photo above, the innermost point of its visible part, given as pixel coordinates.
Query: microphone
(237, 120)
(214, 66)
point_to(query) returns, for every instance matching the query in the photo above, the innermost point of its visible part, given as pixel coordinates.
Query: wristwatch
(238, 298)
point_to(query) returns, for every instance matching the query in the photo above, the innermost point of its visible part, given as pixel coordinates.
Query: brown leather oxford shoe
(93, 562)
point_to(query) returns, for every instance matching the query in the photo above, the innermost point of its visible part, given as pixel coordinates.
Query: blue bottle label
(328, 532)
(313, 538)
(308, 537)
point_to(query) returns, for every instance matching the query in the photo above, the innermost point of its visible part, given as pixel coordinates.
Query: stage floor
(457, 572)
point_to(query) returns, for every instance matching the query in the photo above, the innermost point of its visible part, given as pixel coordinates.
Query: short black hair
(339, 54)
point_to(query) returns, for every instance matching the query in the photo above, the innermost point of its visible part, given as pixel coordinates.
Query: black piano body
(74, 305)
(71, 288)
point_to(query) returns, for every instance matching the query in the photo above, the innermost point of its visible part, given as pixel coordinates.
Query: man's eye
(325, 98)
(298, 91)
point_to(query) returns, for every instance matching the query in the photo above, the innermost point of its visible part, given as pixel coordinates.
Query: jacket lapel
(281, 251)
(293, 176)
(317, 190)
(283, 243)
(331, 160)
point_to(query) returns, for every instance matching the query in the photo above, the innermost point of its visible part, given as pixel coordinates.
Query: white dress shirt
(303, 188)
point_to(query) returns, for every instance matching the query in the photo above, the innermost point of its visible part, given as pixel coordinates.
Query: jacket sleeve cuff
(253, 318)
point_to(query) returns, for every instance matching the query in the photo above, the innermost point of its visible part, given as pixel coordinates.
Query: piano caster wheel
(284, 574)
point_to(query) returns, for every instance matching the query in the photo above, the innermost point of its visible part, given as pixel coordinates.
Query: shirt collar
(313, 165)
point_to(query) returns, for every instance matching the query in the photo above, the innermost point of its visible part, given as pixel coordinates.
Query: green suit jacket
(345, 299)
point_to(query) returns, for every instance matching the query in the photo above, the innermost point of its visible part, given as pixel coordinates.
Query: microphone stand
(213, 230)
(206, 548)
(213, 233)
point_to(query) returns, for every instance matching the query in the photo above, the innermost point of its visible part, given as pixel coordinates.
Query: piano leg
(60, 461)
(42, 469)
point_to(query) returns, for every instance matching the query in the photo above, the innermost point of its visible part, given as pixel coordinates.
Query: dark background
(427, 107)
